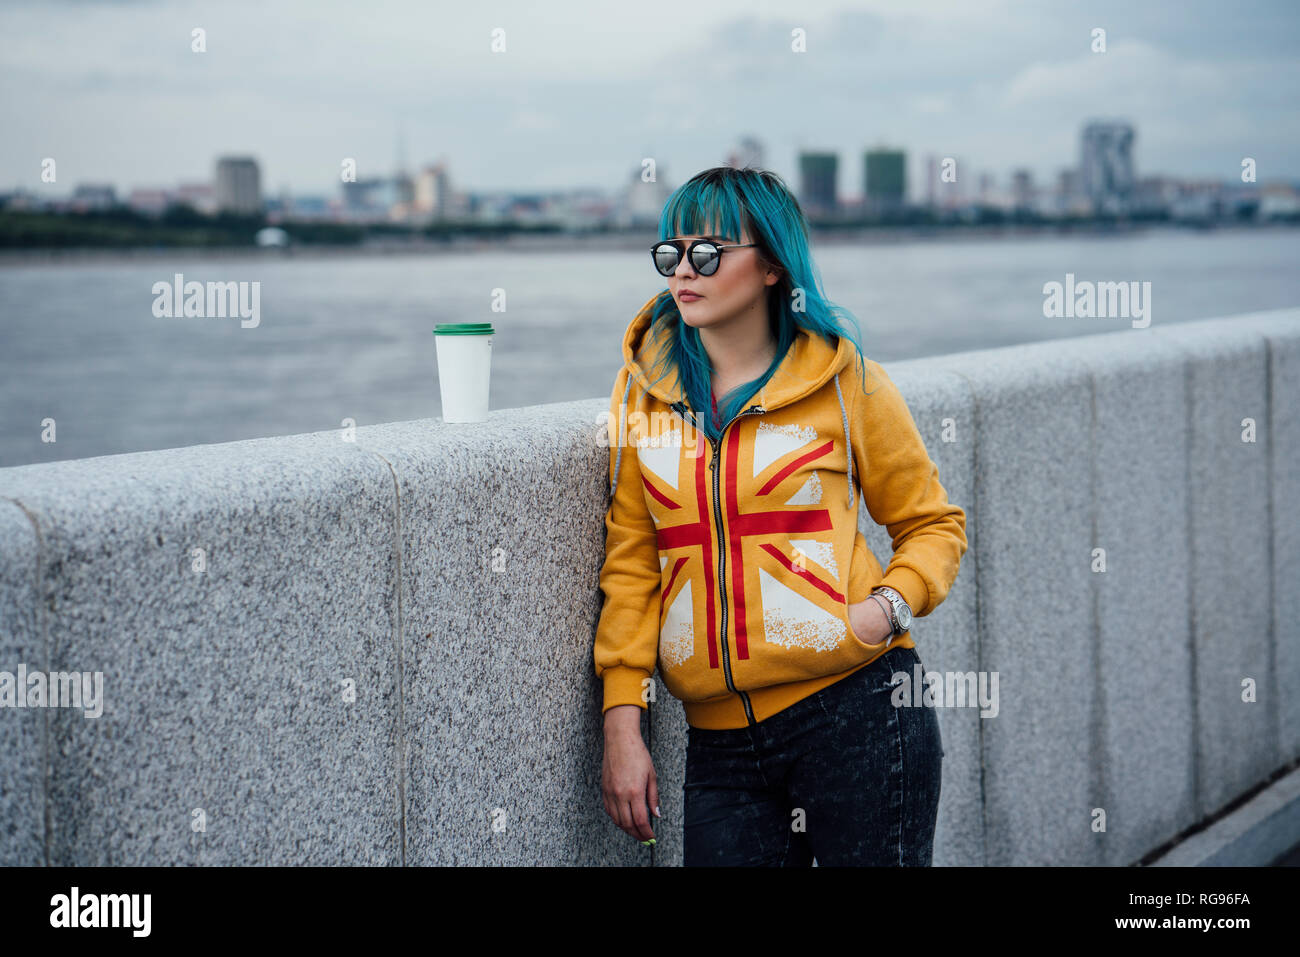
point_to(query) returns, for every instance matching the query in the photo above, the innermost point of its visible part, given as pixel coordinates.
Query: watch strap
(889, 615)
(894, 599)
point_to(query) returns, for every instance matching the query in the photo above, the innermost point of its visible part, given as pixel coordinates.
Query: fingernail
(657, 814)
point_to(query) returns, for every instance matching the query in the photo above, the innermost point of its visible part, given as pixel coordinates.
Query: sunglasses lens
(704, 258)
(666, 258)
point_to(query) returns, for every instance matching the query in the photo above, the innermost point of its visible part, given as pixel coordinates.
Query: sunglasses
(705, 256)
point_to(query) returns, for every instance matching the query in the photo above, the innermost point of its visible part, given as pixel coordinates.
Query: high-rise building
(404, 189)
(1022, 189)
(1106, 165)
(817, 175)
(749, 152)
(954, 191)
(238, 186)
(641, 203)
(432, 191)
(931, 179)
(1069, 199)
(884, 178)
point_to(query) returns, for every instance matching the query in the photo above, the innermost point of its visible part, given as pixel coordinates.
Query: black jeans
(843, 775)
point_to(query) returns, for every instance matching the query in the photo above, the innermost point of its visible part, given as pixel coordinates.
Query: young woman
(734, 562)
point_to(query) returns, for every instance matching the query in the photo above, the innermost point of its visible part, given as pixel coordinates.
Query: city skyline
(1004, 88)
(1106, 180)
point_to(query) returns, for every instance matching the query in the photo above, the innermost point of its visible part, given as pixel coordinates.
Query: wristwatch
(901, 619)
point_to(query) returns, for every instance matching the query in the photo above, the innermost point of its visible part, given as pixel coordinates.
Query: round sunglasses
(705, 256)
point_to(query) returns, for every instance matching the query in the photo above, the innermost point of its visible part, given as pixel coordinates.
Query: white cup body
(464, 374)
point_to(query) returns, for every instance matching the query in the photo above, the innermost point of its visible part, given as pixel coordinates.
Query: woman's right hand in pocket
(627, 779)
(869, 621)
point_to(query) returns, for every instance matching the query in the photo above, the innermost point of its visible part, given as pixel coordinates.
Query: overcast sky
(584, 90)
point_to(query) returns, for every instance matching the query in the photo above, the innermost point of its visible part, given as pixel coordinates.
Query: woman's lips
(689, 296)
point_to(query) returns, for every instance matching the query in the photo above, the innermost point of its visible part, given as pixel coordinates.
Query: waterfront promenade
(378, 651)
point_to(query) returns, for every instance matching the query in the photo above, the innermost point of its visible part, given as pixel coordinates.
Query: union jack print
(783, 495)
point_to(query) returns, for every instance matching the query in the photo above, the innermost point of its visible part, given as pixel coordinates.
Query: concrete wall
(379, 651)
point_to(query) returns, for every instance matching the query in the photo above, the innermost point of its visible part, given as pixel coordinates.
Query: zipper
(722, 545)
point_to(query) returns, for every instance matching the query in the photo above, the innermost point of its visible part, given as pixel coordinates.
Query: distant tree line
(184, 226)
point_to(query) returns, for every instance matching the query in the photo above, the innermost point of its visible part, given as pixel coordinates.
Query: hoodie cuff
(911, 586)
(623, 685)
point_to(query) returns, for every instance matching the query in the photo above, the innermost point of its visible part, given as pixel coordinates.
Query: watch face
(904, 617)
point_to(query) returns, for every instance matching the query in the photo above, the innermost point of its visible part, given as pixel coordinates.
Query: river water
(350, 336)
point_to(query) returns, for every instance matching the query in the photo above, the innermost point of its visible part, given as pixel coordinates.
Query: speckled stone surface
(1281, 335)
(503, 538)
(22, 731)
(1140, 744)
(446, 575)
(224, 695)
(1153, 726)
(1032, 504)
(1231, 513)
(947, 638)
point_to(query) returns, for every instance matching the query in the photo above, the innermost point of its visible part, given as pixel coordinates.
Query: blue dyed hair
(718, 202)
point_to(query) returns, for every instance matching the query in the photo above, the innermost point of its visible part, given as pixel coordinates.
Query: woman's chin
(694, 313)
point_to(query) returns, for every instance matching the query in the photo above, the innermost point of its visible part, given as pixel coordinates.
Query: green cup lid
(463, 329)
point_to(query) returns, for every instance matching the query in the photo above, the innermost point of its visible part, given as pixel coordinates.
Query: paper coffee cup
(464, 369)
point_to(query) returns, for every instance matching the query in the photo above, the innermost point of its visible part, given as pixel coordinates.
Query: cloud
(1130, 69)
(587, 88)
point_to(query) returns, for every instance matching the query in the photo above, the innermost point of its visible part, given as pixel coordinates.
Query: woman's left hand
(869, 621)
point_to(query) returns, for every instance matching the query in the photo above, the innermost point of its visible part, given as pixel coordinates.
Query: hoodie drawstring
(618, 460)
(848, 442)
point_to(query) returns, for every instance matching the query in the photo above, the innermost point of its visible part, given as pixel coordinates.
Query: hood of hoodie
(809, 363)
(807, 366)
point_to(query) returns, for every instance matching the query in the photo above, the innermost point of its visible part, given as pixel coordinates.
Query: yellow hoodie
(732, 567)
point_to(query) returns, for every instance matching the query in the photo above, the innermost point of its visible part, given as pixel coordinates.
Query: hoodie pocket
(825, 643)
